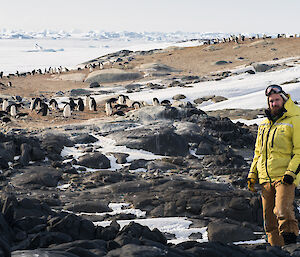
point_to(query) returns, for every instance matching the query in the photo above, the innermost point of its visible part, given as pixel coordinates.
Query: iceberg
(39, 48)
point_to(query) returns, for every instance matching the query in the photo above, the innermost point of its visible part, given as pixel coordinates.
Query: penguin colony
(118, 106)
(11, 108)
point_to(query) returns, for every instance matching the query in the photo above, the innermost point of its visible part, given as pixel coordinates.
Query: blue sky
(276, 16)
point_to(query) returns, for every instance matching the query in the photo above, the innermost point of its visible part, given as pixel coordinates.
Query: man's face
(275, 104)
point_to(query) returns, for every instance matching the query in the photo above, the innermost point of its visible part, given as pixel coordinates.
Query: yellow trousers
(278, 211)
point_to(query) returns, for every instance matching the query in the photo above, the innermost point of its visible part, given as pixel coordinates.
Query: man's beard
(276, 112)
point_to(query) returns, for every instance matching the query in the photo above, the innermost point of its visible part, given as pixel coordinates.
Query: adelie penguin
(108, 108)
(67, 110)
(80, 105)
(44, 109)
(165, 103)
(5, 104)
(136, 105)
(12, 110)
(54, 105)
(72, 104)
(122, 99)
(92, 104)
(87, 100)
(35, 104)
(155, 101)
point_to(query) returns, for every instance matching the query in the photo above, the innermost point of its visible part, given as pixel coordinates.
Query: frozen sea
(27, 54)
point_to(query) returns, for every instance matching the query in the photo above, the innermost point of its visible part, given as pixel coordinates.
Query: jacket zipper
(272, 144)
(267, 153)
(262, 139)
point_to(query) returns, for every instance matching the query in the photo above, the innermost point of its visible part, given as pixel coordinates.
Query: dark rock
(129, 186)
(250, 72)
(25, 154)
(30, 207)
(204, 148)
(44, 239)
(198, 101)
(6, 233)
(125, 239)
(178, 97)
(164, 141)
(37, 154)
(89, 207)
(137, 164)
(74, 226)
(79, 92)
(28, 223)
(95, 246)
(225, 232)
(84, 139)
(95, 161)
(160, 165)
(138, 231)
(228, 206)
(121, 157)
(54, 143)
(107, 177)
(110, 232)
(137, 250)
(37, 175)
(221, 62)
(41, 253)
(94, 85)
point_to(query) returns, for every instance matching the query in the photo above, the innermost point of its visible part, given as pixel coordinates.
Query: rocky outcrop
(112, 75)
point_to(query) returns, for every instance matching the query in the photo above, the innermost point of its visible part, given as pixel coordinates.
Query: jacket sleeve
(253, 173)
(294, 165)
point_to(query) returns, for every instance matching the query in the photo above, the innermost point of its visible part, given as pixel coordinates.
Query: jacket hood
(291, 108)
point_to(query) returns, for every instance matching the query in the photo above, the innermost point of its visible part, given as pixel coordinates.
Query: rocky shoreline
(169, 160)
(38, 218)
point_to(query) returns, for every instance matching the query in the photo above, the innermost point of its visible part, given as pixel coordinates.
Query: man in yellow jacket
(276, 166)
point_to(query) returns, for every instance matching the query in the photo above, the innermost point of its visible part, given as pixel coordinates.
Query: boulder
(226, 232)
(54, 143)
(261, 67)
(79, 92)
(37, 176)
(94, 160)
(137, 250)
(133, 87)
(94, 85)
(25, 154)
(217, 99)
(88, 206)
(84, 139)
(221, 62)
(40, 253)
(178, 97)
(156, 67)
(163, 141)
(112, 75)
(73, 226)
(15, 210)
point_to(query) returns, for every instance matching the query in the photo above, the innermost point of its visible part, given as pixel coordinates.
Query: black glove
(287, 179)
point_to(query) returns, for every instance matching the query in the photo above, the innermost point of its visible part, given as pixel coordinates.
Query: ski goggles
(273, 89)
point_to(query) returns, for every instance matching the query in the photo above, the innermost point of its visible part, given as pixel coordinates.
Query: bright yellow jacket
(277, 148)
